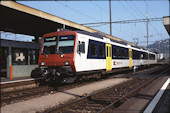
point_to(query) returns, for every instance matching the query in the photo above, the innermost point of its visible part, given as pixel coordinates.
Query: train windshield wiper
(45, 53)
(59, 51)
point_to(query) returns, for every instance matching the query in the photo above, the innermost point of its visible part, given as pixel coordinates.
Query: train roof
(95, 34)
(100, 36)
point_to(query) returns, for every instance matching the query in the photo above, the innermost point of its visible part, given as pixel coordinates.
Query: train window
(82, 47)
(126, 53)
(101, 50)
(123, 53)
(107, 51)
(93, 49)
(152, 57)
(134, 54)
(137, 54)
(78, 49)
(110, 52)
(120, 53)
(114, 52)
(145, 56)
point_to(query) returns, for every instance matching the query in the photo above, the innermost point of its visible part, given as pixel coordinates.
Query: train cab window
(65, 44)
(93, 49)
(58, 44)
(101, 51)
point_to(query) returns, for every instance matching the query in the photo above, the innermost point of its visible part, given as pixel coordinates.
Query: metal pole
(147, 35)
(147, 31)
(110, 17)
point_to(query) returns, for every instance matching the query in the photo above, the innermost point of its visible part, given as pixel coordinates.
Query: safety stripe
(11, 72)
(156, 99)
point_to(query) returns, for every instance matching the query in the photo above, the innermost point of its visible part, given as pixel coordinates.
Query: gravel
(51, 100)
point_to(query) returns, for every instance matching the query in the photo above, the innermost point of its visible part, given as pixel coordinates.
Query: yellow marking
(108, 57)
(54, 38)
(130, 58)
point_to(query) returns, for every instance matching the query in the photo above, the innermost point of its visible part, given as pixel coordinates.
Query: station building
(18, 58)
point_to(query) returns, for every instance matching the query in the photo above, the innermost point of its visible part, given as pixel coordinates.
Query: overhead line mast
(147, 27)
(110, 17)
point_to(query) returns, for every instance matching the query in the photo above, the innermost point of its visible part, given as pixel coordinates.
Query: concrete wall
(22, 70)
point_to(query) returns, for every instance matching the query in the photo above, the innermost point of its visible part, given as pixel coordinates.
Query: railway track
(107, 99)
(15, 96)
(27, 93)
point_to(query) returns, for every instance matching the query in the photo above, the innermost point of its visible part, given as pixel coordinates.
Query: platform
(140, 102)
(7, 83)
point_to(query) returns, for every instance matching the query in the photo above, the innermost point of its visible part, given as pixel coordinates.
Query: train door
(148, 59)
(108, 57)
(130, 58)
(81, 55)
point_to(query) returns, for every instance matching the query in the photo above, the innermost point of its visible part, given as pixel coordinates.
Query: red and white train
(66, 55)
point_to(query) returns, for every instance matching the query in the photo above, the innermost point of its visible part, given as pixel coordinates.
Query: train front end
(56, 57)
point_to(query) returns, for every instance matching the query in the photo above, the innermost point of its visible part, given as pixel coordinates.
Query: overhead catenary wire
(138, 9)
(77, 11)
(128, 3)
(126, 9)
(92, 2)
(149, 8)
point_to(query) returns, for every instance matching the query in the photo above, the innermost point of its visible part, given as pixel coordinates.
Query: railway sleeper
(84, 108)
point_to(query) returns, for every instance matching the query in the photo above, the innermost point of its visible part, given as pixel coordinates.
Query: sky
(98, 11)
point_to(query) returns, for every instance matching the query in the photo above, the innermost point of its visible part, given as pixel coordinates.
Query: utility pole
(110, 17)
(147, 31)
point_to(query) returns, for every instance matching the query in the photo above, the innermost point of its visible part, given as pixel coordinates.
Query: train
(65, 56)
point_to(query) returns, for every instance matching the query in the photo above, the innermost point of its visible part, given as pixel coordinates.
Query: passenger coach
(68, 55)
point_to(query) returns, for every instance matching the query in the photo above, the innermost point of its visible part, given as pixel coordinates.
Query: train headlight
(42, 63)
(67, 63)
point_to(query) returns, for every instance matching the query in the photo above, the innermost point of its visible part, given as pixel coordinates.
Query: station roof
(21, 19)
(19, 44)
(166, 22)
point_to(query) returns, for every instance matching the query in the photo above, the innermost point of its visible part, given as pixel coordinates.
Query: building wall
(22, 70)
